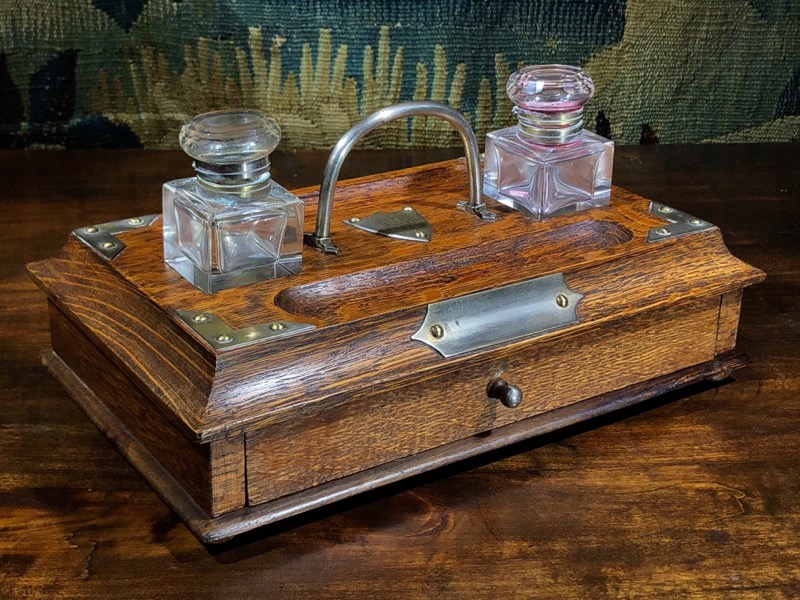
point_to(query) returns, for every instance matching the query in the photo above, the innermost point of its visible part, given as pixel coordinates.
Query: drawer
(375, 429)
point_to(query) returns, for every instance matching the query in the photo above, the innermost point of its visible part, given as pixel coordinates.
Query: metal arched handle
(321, 238)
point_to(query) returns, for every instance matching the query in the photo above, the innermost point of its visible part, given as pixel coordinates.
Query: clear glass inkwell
(547, 164)
(231, 225)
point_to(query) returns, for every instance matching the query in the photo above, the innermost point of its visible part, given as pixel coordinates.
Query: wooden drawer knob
(509, 395)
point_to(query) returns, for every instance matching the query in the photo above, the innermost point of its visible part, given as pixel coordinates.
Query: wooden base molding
(225, 527)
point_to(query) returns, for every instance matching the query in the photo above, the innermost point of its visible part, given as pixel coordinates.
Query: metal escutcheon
(524, 310)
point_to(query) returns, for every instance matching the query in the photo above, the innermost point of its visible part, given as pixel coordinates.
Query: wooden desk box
(239, 413)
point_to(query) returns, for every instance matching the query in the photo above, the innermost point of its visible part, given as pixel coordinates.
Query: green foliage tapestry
(128, 73)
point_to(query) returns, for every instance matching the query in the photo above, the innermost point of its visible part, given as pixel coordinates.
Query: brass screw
(354, 219)
(135, 221)
(662, 231)
(91, 230)
(200, 318)
(407, 207)
(562, 301)
(666, 209)
(277, 326)
(108, 245)
(224, 338)
(437, 331)
(695, 222)
(419, 234)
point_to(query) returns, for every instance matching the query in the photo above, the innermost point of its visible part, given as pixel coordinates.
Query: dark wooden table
(696, 494)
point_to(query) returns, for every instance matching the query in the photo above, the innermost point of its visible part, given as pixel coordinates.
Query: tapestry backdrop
(127, 73)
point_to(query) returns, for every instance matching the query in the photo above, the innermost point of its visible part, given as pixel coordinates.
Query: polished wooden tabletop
(693, 495)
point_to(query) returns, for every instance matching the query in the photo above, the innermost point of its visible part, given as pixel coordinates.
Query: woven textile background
(127, 73)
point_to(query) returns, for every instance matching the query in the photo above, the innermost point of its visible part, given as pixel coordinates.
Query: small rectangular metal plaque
(513, 312)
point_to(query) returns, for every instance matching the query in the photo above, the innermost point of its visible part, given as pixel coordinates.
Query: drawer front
(296, 455)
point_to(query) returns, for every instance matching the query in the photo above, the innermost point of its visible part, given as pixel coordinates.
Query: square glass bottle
(231, 225)
(548, 164)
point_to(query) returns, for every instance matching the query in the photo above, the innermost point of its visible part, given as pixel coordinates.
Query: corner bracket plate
(513, 312)
(406, 224)
(680, 223)
(102, 238)
(214, 332)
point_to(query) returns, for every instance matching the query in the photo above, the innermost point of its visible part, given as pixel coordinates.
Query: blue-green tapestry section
(128, 73)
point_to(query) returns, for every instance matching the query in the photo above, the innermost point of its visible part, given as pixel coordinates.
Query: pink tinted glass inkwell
(547, 164)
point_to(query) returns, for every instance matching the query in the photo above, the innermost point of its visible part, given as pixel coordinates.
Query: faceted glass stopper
(550, 88)
(230, 136)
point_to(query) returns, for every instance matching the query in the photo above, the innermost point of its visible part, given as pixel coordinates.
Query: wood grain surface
(694, 495)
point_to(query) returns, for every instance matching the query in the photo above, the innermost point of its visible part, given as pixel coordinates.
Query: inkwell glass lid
(545, 88)
(231, 148)
(230, 136)
(549, 102)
